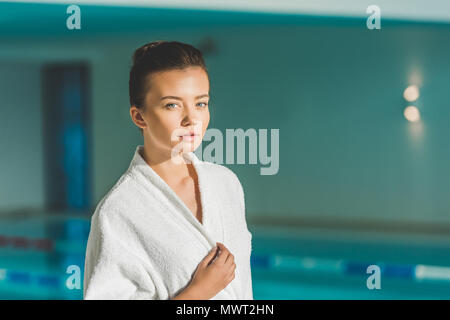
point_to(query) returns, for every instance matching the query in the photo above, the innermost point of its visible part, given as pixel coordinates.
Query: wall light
(412, 114)
(411, 93)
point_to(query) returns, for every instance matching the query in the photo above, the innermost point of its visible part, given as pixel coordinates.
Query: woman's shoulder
(222, 173)
(117, 198)
(228, 182)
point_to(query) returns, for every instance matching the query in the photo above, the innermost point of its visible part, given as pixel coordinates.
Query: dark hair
(159, 56)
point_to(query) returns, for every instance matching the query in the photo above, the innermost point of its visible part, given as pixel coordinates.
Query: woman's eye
(170, 104)
(204, 104)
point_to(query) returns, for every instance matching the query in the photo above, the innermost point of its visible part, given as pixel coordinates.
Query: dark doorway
(66, 116)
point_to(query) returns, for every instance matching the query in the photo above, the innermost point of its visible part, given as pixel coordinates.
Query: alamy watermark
(374, 20)
(374, 280)
(235, 140)
(74, 20)
(74, 280)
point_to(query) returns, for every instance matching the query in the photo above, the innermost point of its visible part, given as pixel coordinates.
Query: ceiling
(48, 18)
(423, 10)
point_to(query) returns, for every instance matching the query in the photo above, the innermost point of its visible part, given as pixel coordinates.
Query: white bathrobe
(145, 243)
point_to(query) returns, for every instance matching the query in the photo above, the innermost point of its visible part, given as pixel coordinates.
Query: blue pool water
(326, 264)
(42, 258)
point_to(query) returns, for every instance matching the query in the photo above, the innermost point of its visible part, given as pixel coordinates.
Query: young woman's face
(176, 106)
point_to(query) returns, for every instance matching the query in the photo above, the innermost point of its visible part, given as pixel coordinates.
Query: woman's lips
(188, 137)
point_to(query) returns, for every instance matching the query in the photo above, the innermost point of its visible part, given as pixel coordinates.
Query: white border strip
(430, 10)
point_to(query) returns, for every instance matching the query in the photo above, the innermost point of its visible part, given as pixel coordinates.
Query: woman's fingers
(230, 259)
(210, 256)
(223, 255)
(226, 258)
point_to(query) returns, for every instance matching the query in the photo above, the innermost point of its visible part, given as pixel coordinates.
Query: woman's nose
(189, 117)
(188, 120)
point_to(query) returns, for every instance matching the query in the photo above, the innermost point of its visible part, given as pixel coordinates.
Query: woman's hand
(213, 273)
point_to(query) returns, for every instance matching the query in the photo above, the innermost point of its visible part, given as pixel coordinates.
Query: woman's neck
(166, 165)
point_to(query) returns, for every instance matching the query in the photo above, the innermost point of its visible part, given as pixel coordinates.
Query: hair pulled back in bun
(159, 56)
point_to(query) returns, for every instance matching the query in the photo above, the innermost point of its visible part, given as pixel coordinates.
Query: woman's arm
(190, 293)
(112, 271)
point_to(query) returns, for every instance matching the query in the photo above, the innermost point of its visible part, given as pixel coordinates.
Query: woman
(173, 226)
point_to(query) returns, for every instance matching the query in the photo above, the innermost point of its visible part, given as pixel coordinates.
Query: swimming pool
(287, 263)
(300, 264)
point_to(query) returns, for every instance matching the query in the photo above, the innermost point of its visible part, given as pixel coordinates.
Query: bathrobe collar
(138, 163)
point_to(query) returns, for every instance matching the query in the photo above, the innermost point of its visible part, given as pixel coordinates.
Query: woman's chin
(189, 147)
(185, 147)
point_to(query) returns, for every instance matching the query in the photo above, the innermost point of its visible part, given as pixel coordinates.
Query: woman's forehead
(176, 83)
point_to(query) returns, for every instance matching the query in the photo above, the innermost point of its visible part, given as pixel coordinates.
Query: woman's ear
(136, 116)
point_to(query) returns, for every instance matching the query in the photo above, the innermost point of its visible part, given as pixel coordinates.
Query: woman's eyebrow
(178, 98)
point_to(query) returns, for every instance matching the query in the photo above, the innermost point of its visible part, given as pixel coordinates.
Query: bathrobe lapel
(211, 230)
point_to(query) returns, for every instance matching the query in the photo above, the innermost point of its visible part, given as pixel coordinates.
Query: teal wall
(335, 92)
(21, 155)
(332, 87)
